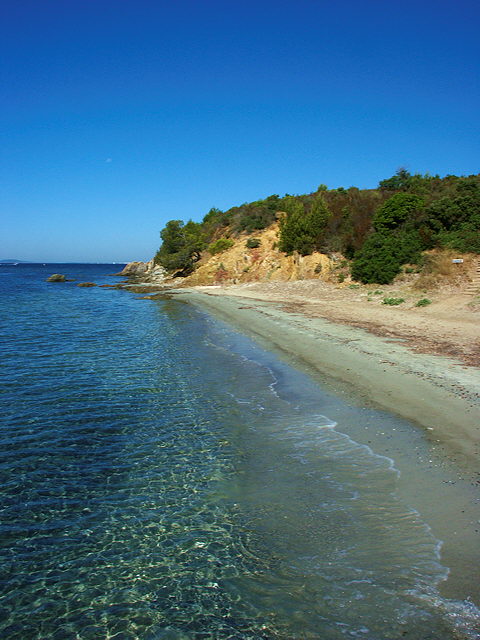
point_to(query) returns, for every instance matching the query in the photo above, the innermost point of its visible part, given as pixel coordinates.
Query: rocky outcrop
(134, 269)
(259, 261)
(157, 275)
(251, 258)
(147, 272)
(56, 277)
(86, 284)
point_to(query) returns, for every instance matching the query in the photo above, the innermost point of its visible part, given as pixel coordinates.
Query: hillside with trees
(376, 230)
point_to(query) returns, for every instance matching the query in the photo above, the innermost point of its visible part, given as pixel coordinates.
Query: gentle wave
(163, 477)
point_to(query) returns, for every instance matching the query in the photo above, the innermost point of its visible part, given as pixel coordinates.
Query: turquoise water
(161, 476)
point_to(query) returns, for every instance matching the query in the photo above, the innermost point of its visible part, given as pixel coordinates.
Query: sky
(119, 115)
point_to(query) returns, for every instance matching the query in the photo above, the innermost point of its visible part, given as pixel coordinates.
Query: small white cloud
(108, 160)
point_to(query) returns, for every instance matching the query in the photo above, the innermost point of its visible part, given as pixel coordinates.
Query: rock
(156, 274)
(134, 269)
(86, 284)
(144, 272)
(56, 277)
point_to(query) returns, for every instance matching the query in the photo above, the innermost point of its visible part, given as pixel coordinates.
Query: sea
(162, 476)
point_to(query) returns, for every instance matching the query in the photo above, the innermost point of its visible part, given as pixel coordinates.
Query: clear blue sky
(118, 115)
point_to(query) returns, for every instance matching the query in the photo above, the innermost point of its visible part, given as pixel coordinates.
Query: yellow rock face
(240, 264)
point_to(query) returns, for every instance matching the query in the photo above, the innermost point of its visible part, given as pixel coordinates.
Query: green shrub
(393, 301)
(253, 243)
(454, 220)
(376, 261)
(466, 239)
(341, 277)
(423, 302)
(403, 180)
(222, 244)
(354, 286)
(303, 230)
(383, 254)
(379, 229)
(394, 242)
(181, 247)
(396, 211)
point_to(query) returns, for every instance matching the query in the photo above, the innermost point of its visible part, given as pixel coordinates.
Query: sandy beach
(418, 363)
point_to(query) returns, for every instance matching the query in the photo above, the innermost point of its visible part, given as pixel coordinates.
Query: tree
(383, 254)
(395, 241)
(318, 218)
(292, 229)
(304, 231)
(398, 182)
(455, 220)
(181, 246)
(396, 211)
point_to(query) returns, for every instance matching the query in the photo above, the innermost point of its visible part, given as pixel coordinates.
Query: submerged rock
(56, 277)
(86, 284)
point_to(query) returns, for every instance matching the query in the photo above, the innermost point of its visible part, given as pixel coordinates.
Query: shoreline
(438, 463)
(429, 390)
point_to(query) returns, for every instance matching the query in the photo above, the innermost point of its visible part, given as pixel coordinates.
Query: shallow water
(161, 476)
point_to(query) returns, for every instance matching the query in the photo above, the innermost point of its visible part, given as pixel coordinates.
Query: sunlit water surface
(163, 477)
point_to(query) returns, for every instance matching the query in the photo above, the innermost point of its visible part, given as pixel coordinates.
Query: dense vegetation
(378, 229)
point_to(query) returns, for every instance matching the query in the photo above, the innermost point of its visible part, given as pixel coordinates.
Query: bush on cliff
(455, 220)
(397, 211)
(222, 244)
(404, 212)
(181, 247)
(381, 258)
(303, 230)
(394, 242)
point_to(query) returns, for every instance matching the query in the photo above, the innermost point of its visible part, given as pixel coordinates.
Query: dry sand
(449, 326)
(421, 363)
(418, 363)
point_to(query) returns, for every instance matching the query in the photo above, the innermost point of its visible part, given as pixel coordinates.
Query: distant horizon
(15, 261)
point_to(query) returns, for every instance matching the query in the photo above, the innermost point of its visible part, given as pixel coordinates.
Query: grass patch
(393, 302)
(424, 302)
(222, 244)
(439, 269)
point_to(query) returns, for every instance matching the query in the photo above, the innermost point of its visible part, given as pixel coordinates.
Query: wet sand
(436, 450)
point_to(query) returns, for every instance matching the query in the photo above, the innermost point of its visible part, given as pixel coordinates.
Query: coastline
(430, 390)
(438, 451)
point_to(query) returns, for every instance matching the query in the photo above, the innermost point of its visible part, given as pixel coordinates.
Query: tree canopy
(380, 229)
(182, 246)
